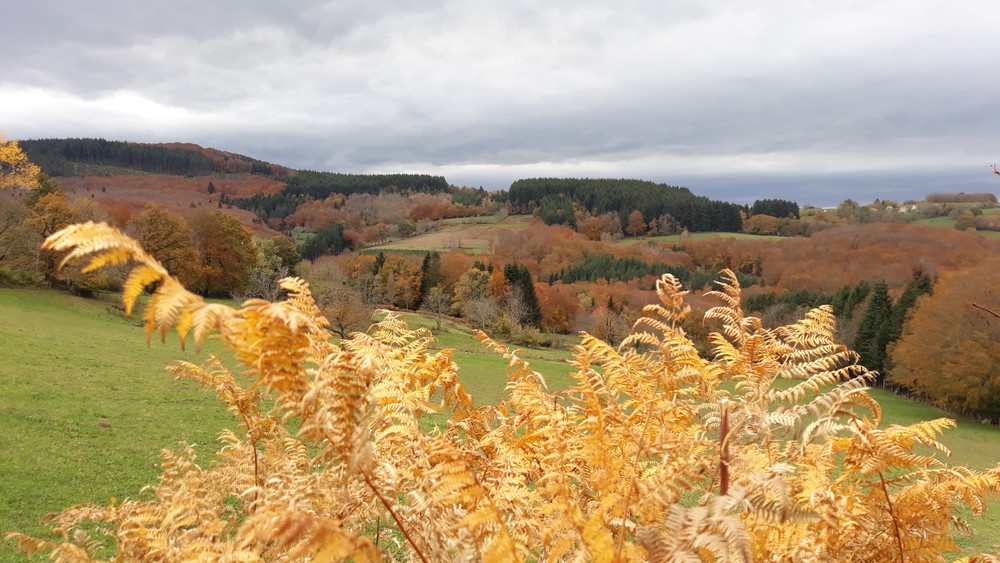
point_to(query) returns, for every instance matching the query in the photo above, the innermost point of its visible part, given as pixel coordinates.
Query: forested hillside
(100, 157)
(652, 200)
(309, 185)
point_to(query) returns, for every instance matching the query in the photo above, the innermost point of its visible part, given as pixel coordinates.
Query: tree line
(77, 157)
(308, 185)
(611, 268)
(779, 208)
(63, 157)
(622, 196)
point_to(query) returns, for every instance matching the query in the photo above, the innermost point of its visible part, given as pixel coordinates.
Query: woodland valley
(750, 437)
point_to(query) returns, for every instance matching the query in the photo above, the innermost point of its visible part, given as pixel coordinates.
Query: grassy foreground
(87, 407)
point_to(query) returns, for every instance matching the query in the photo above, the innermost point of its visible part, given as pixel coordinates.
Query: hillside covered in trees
(599, 196)
(571, 267)
(100, 157)
(310, 186)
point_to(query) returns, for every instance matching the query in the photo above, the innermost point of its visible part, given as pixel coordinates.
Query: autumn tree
(607, 325)
(16, 171)
(168, 237)
(948, 352)
(635, 225)
(592, 227)
(437, 301)
(921, 284)
(965, 222)
(276, 259)
(498, 285)
(284, 249)
(18, 243)
(338, 295)
(51, 212)
(226, 252)
(762, 225)
(666, 224)
(405, 293)
(560, 307)
(343, 306)
(482, 312)
(470, 286)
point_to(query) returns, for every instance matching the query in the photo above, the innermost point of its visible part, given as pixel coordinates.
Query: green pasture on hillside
(471, 234)
(949, 222)
(87, 406)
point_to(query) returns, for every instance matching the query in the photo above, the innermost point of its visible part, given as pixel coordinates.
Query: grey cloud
(722, 94)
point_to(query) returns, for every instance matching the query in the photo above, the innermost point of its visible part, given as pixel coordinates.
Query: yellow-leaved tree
(656, 452)
(16, 171)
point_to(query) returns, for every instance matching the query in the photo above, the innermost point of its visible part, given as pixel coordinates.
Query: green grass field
(949, 222)
(471, 234)
(87, 407)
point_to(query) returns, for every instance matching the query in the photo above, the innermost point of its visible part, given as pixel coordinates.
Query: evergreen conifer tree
(873, 332)
(521, 284)
(430, 275)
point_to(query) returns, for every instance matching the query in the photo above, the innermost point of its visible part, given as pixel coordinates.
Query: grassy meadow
(949, 222)
(87, 407)
(472, 234)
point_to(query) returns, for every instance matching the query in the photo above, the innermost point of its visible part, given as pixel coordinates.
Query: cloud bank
(816, 101)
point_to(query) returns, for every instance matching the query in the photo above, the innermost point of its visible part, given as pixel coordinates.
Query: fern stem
(635, 463)
(399, 521)
(256, 462)
(892, 514)
(724, 449)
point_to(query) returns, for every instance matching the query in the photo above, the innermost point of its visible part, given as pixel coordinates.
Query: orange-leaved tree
(948, 352)
(655, 452)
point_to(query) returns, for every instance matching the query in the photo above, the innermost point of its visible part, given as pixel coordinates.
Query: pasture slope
(88, 407)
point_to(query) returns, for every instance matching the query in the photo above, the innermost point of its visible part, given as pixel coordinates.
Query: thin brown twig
(399, 521)
(892, 514)
(987, 309)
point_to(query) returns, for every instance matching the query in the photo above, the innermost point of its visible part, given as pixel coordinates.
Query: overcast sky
(814, 101)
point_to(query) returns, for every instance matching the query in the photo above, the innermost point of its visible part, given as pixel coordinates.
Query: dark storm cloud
(731, 97)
